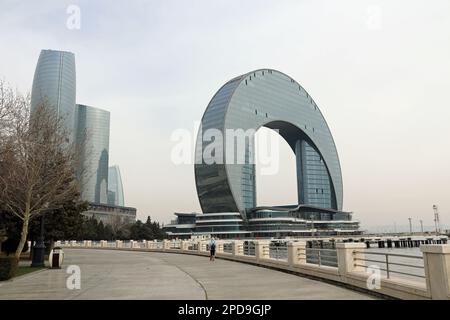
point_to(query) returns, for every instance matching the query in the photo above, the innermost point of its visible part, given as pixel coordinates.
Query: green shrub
(8, 267)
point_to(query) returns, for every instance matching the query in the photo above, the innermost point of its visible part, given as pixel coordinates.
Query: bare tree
(38, 165)
(12, 105)
(118, 223)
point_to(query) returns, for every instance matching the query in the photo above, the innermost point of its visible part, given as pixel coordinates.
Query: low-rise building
(111, 215)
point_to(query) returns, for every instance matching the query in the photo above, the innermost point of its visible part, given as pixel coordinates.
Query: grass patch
(21, 270)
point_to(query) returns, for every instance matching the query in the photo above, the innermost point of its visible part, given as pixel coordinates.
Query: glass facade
(265, 222)
(219, 223)
(93, 129)
(290, 220)
(272, 99)
(211, 180)
(313, 179)
(54, 83)
(115, 188)
(182, 227)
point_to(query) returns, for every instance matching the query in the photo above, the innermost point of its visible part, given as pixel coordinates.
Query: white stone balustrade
(238, 248)
(201, 246)
(134, 244)
(296, 251)
(219, 246)
(185, 245)
(261, 249)
(437, 270)
(166, 244)
(346, 257)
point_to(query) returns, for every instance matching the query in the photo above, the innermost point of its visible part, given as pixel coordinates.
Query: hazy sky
(378, 70)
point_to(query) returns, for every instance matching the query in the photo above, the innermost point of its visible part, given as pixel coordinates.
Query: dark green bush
(10, 246)
(8, 267)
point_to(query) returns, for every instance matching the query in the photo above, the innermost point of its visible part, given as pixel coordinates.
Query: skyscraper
(274, 100)
(226, 186)
(92, 127)
(54, 83)
(115, 188)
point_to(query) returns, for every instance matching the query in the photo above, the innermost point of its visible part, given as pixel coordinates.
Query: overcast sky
(378, 70)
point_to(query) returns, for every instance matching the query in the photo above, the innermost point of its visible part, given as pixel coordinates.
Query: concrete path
(109, 274)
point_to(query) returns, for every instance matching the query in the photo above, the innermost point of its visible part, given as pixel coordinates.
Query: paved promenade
(109, 274)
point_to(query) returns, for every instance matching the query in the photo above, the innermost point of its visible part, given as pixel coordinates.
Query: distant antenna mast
(436, 219)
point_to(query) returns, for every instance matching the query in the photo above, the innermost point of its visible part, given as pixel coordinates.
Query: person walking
(212, 249)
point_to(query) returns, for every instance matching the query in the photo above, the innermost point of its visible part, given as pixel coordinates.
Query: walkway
(109, 274)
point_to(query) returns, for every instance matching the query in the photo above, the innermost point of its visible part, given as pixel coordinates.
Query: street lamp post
(410, 226)
(39, 248)
(421, 226)
(436, 219)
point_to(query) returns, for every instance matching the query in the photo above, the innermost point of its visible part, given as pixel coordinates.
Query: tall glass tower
(115, 188)
(92, 128)
(54, 83)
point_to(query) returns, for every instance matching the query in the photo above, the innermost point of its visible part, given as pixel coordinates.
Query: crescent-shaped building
(271, 99)
(226, 187)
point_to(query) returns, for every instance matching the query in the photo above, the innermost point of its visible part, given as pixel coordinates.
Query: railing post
(436, 260)
(166, 244)
(134, 244)
(259, 249)
(296, 252)
(346, 258)
(118, 243)
(103, 243)
(219, 245)
(184, 245)
(199, 246)
(237, 249)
